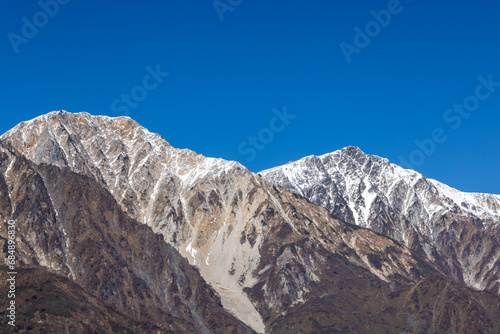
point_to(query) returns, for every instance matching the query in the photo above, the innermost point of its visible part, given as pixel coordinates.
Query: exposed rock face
(434, 305)
(71, 225)
(49, 303)
(458, 232)
(91, 192)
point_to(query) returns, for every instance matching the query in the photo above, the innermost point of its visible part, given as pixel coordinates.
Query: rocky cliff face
(458, 232)
(144, 227)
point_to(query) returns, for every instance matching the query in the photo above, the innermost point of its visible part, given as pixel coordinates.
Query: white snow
(191, 250)
(369, 196)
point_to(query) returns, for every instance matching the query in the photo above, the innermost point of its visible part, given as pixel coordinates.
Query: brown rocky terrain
(49, 303)
(364, 305)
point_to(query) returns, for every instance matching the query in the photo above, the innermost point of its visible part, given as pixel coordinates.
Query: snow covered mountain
(457, 231)
(118, 210)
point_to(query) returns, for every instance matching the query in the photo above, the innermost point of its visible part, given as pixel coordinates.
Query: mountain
(185, 243)
(459, 233)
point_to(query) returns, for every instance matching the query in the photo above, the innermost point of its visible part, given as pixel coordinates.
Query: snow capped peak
(54, 113)
(351, 151)
(59, 116)
(426, 215)
(360, 179)
(111, 149)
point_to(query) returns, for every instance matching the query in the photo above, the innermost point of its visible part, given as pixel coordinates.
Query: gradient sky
(231, 66)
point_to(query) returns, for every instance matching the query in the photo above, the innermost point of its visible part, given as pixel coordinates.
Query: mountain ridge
(267, 252)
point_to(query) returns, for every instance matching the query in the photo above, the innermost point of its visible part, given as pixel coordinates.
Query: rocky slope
(458, 232)
(55, 304)
(433, 305)
(111, 206)
(70, 225)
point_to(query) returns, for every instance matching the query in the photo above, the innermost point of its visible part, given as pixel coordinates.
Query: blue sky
(381, 75)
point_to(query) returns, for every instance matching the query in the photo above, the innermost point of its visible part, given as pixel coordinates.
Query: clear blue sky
(227, 76)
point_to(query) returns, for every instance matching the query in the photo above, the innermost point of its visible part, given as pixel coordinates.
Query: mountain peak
(352, 150)
(116, 151)
(82, 126)
(57, 112)
(62, 116)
